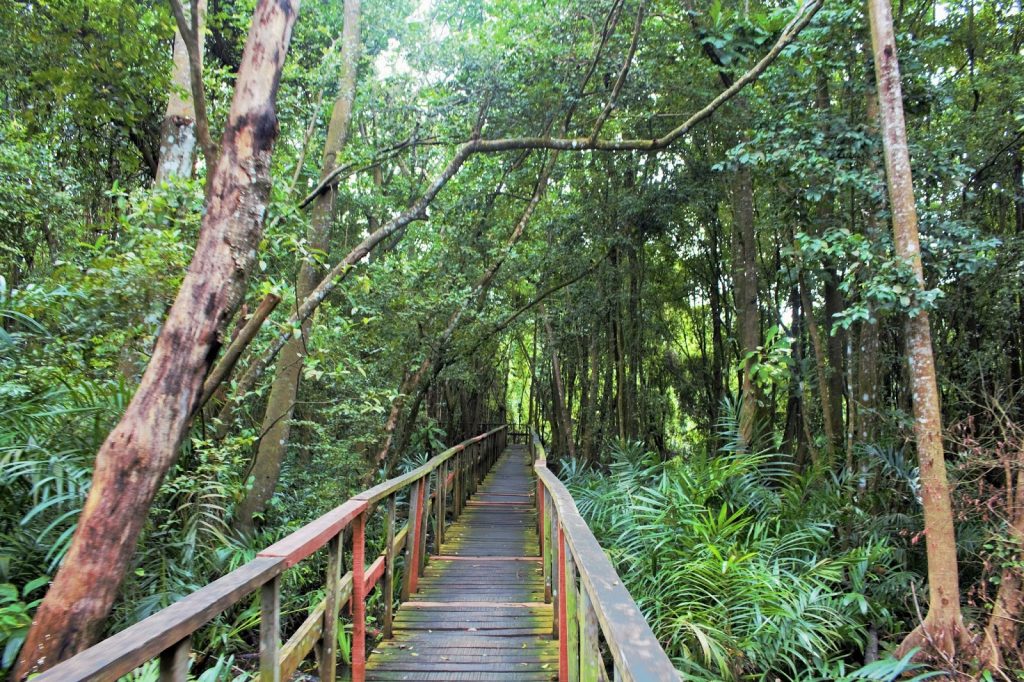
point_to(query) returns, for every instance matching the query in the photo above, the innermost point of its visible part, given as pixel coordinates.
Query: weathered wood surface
(636, 653)
(478, 612)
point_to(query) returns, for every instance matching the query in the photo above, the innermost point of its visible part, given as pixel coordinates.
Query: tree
(136, 455)
(943, 628)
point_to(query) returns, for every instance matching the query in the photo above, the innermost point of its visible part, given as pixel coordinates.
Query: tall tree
(134, 458)
(943, 627)
(277, 419)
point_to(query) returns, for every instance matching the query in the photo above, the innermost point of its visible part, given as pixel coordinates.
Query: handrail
(167, 633)
(599, 603)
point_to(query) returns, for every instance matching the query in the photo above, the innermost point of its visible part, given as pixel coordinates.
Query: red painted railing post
(563, 626)
(359, 598)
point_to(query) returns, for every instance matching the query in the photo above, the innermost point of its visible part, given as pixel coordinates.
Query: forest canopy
(751, 270)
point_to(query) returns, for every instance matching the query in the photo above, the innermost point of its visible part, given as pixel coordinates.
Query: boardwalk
(479, 612)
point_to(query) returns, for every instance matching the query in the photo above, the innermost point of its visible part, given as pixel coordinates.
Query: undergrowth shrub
(745, 567)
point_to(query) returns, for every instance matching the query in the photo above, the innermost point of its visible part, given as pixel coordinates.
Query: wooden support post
(389, 570)
(174, 661)
(546, 543)
(457, 487)
(591, 663)
(270, 630)
(572, 623)
(412, 540)
(329, 634)
(421, 554)
(439, 495)
(359, 598)
(562, 616)
(540, 516)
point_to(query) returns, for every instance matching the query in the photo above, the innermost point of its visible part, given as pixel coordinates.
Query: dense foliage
(793, 553)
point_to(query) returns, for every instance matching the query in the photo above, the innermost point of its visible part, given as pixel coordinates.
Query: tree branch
(621, 79)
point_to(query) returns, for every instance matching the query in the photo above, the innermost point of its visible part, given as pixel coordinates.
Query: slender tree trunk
(133, 460)
(561, 412)
(834, 342)
(1003, 625)
(717, 334)
(587, 439)
(178, 131)
(943, 627)
(277, 418)
(748, 316)
(814, 332)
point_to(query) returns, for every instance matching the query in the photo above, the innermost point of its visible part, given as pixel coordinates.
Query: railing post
(570, 611)
(421, 553)
(270, 631)
(546, 542)
(440, 493)
(560, 610)
(329, 634)
(591, 664)
(457, 486)
(389, 570)
(359, 598)
(539, 496)
(412, 540)
(174, 661)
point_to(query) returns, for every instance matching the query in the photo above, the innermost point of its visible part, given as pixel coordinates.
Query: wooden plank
(373, 574)
(270, 631)
(125, 651)
(311, 537)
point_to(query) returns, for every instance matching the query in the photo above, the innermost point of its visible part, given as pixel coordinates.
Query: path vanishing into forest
(493, 576)
(479, 612)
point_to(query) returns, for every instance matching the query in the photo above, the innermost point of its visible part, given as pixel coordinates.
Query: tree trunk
(943, 627)
(748, 317)
(814, 332)
(1001, 630)
(277, 419)
(178, 131)
(564, 419)
(133, 460)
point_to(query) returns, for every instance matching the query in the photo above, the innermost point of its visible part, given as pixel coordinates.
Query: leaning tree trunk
(277, 419)
(178, 131)
(943, 627)
(136, 455)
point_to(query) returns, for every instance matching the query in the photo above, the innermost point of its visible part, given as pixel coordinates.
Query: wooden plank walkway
(479, 612)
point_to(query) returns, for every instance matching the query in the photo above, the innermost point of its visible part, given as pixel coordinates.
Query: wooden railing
(518, 434)
(167, 634)
(590, 601)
